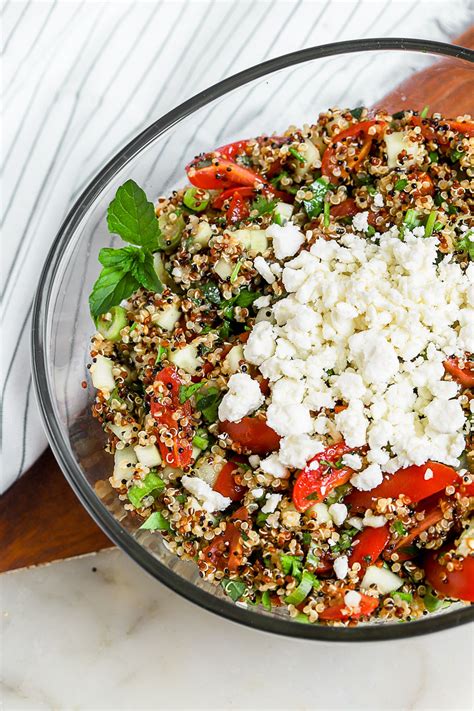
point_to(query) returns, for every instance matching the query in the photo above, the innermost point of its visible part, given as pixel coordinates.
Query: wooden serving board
(41, 520)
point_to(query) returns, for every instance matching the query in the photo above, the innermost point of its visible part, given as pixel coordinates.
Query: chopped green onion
(370, 231)
(261, 519)
(399, 528)
(200, 439)
(297, 155)
(235, 271)
(266, 602)
(430, 223)
(456, 155)
(424, 113)
(438, 200)
(196, 199)
(411, 218)
(133, 326)
(150, 484)
(433, 602)
(371, 189)
(312, 559)
(308, 582)
(337, 494)
(437, 226)
(160, 354)
(156, 522)
(110, 328)
(434, 157)
(452, 209)
(408, 597)
(290, 564)
(187, 391)
(327, 213)
(302, 618)
(233, 588)
(401, 184)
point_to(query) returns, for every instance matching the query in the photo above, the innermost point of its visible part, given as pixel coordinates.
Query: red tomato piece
(410, 481)
(226, 485)
(346, 208)
(167, 410)
(431, 518)
(464, 376)
(237, 210)
(225, 195)
(357, 130)
(368, 546)
(231, 150)
(317, 479)
(223, 174)
(426, 186)
(429, 128)
(340, 611)
(225, 550)
(458, 583)
(253, 434)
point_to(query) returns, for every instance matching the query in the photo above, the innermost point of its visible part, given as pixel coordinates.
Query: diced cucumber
(383, 579)
(208, 468)
(311, 155)
(122, 459)
(186, 358)
(282, 213)
(223, 268)
(101, 374)
(397, 142)
(111, 323)
(163, 275)
(123, 432)
(148, 455)
(202, 235)
(168, 318)
(252, 240)
(320, 512)
(171, 231)
(196, 452)
(233, 358)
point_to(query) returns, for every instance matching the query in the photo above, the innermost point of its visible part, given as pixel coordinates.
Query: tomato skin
(167, 384)
(223, 173)
(432, 516)
(410, 482)
(458, 583)
(369, 543)
(316, 482)
(328, 162)
(237, 210)
(346, 208)
(225, 195)
(226, 550)
(426, 183)
(226, 485)
(253, 434)
(429, 132)
(231, 150)
(340, 612)
(464, 376)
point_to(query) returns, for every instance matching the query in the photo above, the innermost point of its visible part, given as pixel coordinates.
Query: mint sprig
(131, 216)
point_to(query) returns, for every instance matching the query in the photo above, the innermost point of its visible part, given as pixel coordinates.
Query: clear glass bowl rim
(60, 447)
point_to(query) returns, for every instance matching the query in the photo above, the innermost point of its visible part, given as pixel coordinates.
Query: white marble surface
(116, 639)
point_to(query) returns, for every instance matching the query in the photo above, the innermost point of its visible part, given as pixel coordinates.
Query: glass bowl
(266, 98)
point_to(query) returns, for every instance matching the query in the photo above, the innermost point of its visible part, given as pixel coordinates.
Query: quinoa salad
(283, 366)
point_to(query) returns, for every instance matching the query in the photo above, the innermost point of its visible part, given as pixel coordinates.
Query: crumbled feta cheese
(272, 465)
(290, 420)
(378, 200)
(368, 479)
(338, 513)
(262, 302)
(210, 500)
(360, 221)
(341, 567)
(243, 397)
(355, 522)
(287, 239)
(263, 268)
(271, 503)
(257, 493)
(297, 450)
(320, 512)
(374, 521)
(260, 344)
(353, 461)
(428, 474)
(352, 599)
(254, 460)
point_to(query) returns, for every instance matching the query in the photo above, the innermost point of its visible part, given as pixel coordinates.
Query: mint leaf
(118, 258)
(112, 286)
(131, 216)
(187, 391)
(156, 522)
(233, 588)
(143, 270)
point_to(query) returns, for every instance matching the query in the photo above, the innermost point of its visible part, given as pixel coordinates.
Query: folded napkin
(80, 79)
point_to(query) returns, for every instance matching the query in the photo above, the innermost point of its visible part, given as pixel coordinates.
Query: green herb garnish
(233, 588)
(263, 206)
(149, 485)
(160, 354)
(315, 205)
(211, 292)
(207, 402)
(401, 184)
(434, 157)
(131, 216)
(187, 391)
(308, 582)
(327, 213)
(466, 244)
(399, 528)
(424, 112)
(357, 112)
(297, 155)
(455, 155)
(156, 522)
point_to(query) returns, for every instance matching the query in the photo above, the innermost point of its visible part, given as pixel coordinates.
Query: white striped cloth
(81, 78)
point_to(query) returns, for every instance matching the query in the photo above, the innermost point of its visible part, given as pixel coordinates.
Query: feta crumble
(243, 397)
(271, 503)
(341, 567)
(287, 239)
(209, 499)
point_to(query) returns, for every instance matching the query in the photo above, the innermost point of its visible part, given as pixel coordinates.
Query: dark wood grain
(41, 519)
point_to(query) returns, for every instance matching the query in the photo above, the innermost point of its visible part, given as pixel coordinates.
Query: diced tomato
(226, 485)
(231, 150)
(432, 516)
(357, 130)
(340, 611)
(346, 208)
(317, 479)
(253, 434)
(458, 583)
(225, 550)
(167, 411)
(224, 174)
(430, 129)
(226, 195)
(410, 481)
(464, 376)
(424, 182)
(368, 545)
(237, 210)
